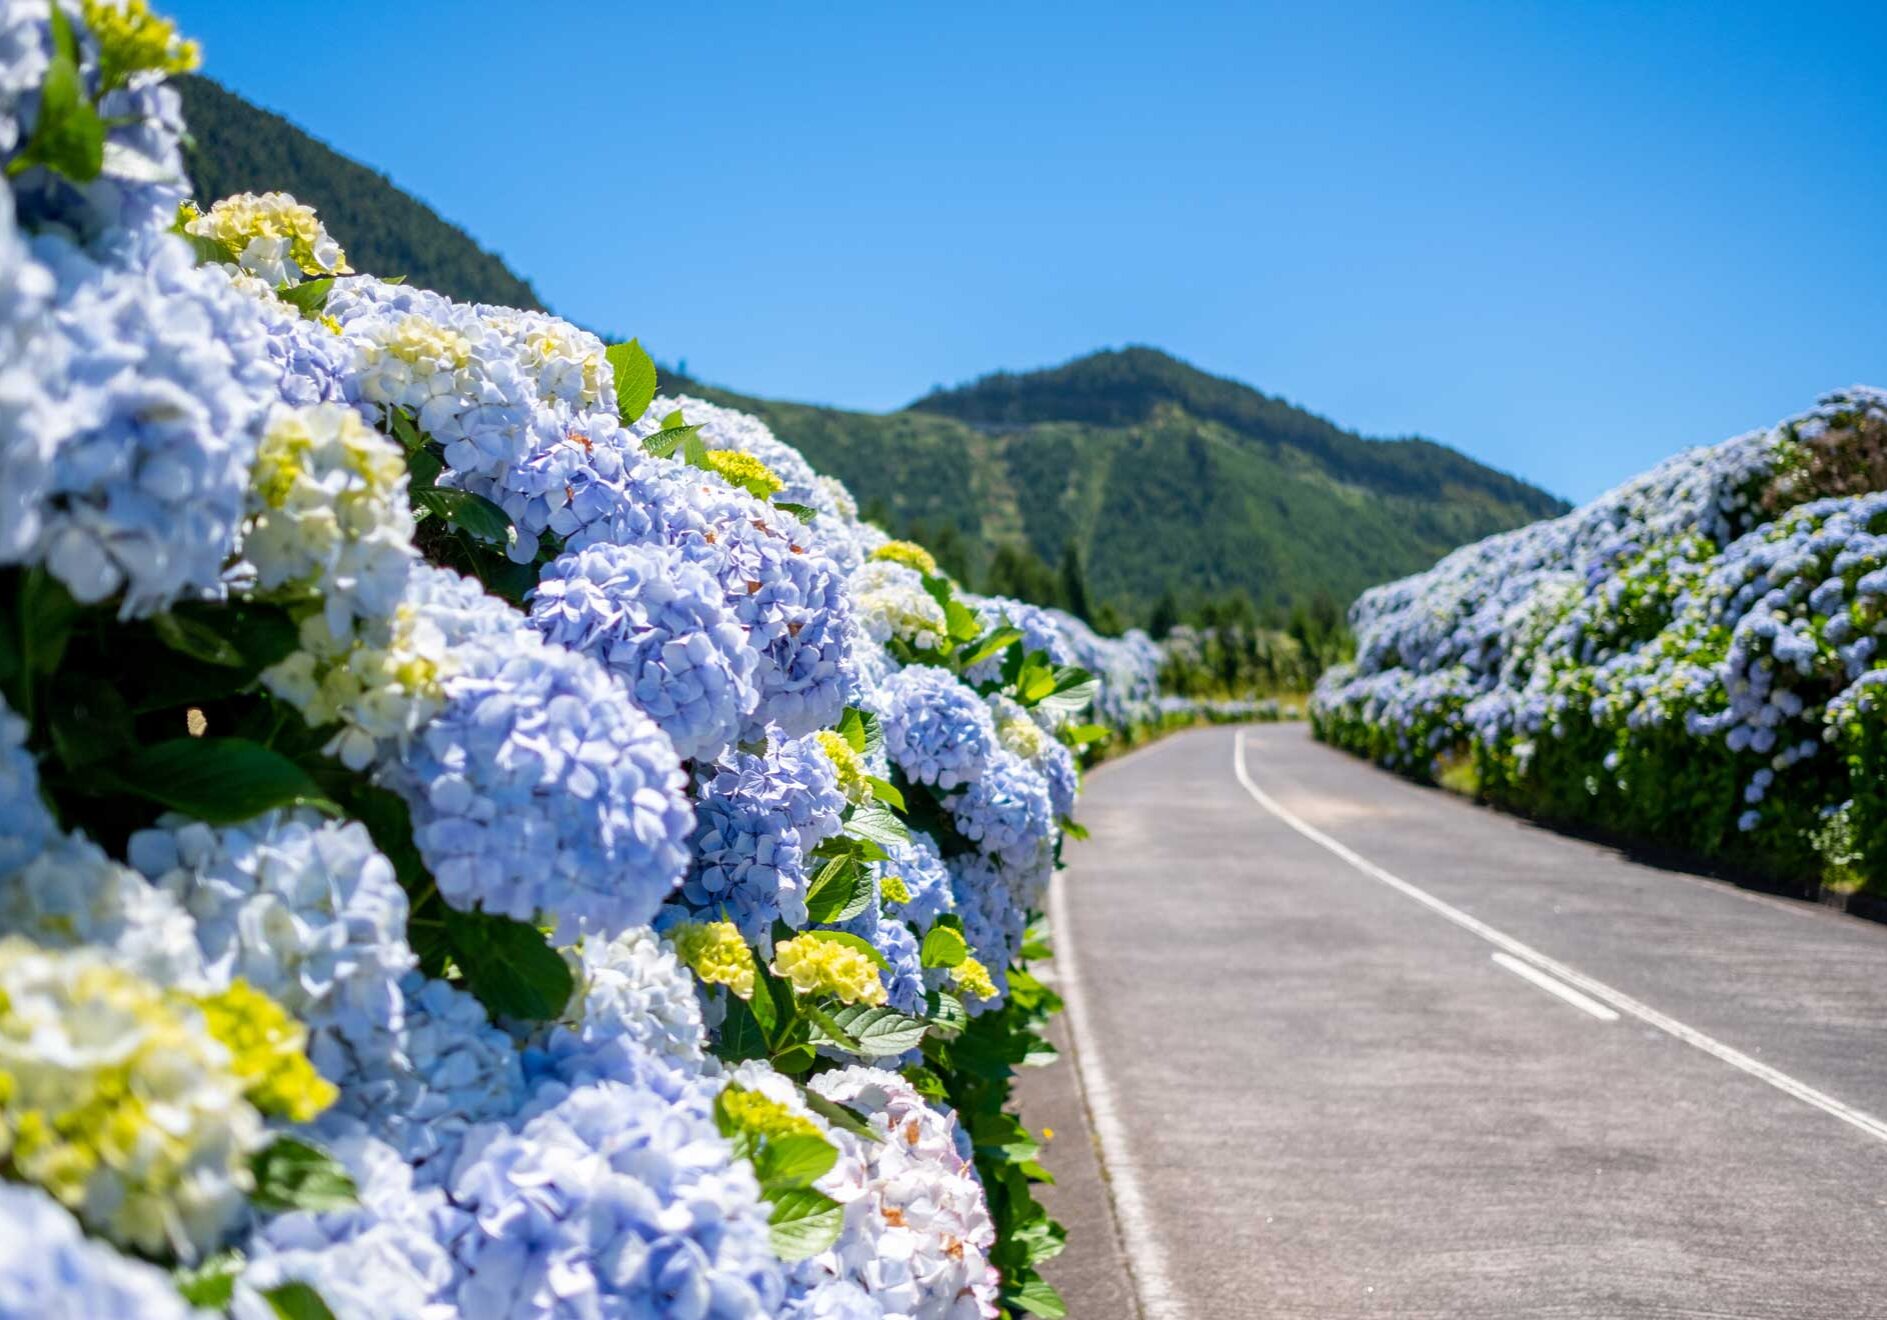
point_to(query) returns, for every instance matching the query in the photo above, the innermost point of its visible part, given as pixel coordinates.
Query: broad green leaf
(1036, 679)
(68, 135)
(292, 1174)
(1073, 829)
(886, 792)
(795, 1059)
(474, 513)
(666, 441)
(634, 370)
(876, 821)
(840, 891)
(310, 297)
(422, 469)
(784, 1162)
(825, 1031)
(804, 1223)
(298, 1301)
(741, 1038)
(207, 250)
(999, 639)
(508, 965)
(406, 431)
(1074, 691)
(880, 1032)
(943, 947)
(89, 721)
(1080, 735)
(962, 622)
(219, 780)
(945, 1012)
(804, 512)
(694, 450)
(1038, 1298)
(212, 1284)
(926, 1082)
(852, 728)
(675, 421)
(196, 639)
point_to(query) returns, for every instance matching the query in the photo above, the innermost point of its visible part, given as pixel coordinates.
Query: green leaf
(1073, 829)
(840, 891)
(292, 1174)
(212, 1284)
(635, 379)
(963, 624)
(196, 639)
(838, 1115)
(508, 965)
(1074, 691)
(694, 450)
(474, 513)
(795, 1059)
(422, 469)
(675, 421)
(999, 639)
(803, 512)
(310, 297)
(1036, 679)
(68, 136)
(666, 441)
(886, 792)
(46, 613)
(943, 947)
(89, 721)
(850, 941)
(852, 729)
(1038, 1298)
(298, 1301)
(804, 1223)
(784, 1162)
(1080, 735)
(741, 1038)
(207, 250)
(876, 821)
(219, 780)
(880, 1032)
(406, 431)
(945, 1012)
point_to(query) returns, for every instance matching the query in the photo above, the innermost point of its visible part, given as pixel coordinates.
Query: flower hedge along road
(1692, 657)
(476, 837)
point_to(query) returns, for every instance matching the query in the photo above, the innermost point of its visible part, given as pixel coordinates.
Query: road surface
(1351, 1047)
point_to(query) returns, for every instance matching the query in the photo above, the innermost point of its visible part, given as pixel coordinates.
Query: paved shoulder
(1327, 1099)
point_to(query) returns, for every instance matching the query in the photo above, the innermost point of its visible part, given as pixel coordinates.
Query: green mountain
(1163, 478)
(1158, 477)
(239, 147)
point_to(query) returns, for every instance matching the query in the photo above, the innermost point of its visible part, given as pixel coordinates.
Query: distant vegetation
(1126, 486)
(241, 147)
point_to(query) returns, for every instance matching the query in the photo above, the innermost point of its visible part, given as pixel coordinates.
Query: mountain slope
(240, 147)
(1162, 477)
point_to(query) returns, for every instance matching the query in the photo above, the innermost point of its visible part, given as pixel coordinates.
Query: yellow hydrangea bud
(744, 470)
(893, 889)
(819, 966)
(910, 554)
(717, 954)
(850, 765)
(131, 39)
(266, 1053)
(760, 1115)
(973, 979)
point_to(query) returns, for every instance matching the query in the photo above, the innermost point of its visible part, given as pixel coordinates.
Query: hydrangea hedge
(476, 838)
(1692, 659)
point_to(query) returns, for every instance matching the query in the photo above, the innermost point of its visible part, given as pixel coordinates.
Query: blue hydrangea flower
(614, 1200)
(919, 869)
(1006, 810)
(537, 788)
(49, 1270)
(151, 387)
(661, 625)
(421, 1087)
(633, 997)
(380, 1259)
(937, 731)
(760, 817)
(304, 909)
(993, 919)
(25, 824)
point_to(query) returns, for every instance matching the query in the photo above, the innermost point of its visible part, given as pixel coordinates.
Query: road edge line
(1624, 1003)
(1141, 1249)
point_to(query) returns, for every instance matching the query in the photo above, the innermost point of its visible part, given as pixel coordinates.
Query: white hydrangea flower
(73, 896)
(328, 510)
(889, 600)
(119, 1102)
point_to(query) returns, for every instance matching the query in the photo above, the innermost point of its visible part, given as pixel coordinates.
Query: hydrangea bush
(476, 838)
(1691, 658)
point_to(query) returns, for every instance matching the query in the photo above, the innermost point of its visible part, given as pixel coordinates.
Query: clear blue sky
(1566, 238)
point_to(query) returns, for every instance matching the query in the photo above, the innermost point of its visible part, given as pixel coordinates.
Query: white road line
(1597, 989)
(1146, 1255)
(1552, 987)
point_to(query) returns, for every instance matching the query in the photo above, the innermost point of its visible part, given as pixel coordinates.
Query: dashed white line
(1581, 1002)
(1598, 990)
(1146, 1255)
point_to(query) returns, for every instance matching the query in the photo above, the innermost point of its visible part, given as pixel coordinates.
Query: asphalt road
(1315, 1091)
